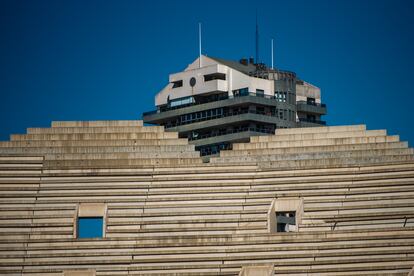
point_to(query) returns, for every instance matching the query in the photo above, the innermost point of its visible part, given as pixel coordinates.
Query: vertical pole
(272, 53)
(199, 45)
(257, 40)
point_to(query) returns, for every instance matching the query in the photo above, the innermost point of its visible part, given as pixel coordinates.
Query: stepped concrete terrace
(167, 213)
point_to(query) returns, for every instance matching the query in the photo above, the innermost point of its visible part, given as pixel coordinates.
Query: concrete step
(113, 129)
(314, 149)
(285, 131)
(120, 163)
(316, 136)
(319, 142)
(93, 143)
(94, 150)
(124, 155)
(314, 155)
(94, 136)
(121, 123)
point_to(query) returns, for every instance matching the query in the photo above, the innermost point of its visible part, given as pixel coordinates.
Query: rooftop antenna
(199, 45)
(272, 53)
(257, 40)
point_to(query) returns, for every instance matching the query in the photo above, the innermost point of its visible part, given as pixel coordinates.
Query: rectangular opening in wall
(259, 92)
(311, 101)
(177, 83)
(215, 76)
(90, 227)
(286, 221)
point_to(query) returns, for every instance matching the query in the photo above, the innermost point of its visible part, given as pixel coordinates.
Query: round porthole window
(192, 82)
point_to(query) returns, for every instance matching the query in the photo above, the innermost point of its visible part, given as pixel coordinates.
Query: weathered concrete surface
(166, 213)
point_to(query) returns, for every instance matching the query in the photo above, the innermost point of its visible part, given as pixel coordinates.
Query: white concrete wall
(308, 90)
(234, 80)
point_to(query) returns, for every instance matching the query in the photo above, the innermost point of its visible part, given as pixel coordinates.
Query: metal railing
(312, 121)
(230, 131)
(253, 94)
(224, 115)
(311, 103)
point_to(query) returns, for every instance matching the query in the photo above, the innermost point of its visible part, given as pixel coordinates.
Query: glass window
(215, 76)
(90, 227)
(178, 83)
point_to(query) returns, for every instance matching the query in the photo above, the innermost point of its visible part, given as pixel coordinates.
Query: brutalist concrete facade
(306, 201)
(215, 103)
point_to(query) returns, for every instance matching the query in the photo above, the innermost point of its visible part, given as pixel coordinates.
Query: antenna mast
(272, 53)
(257, 40)
(199, 45)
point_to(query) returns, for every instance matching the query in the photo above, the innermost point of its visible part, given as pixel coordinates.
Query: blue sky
(90, 60)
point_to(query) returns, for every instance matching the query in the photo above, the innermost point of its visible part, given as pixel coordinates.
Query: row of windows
(91, 217)
(209, 77)
(181, 101)
(284, 114)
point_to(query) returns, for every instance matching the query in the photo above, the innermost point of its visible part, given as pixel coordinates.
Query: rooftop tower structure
(222, 102)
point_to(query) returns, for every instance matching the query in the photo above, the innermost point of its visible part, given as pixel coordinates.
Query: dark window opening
(285, 221)
(90, 227)
(259, 92)
(215, 76)
(177, 83)
(311, 101)
(241, 92)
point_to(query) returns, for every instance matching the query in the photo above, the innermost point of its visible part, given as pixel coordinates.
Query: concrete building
(215, 103)
(333, 200)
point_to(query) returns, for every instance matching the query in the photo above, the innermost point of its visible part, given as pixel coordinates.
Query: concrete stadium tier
(165, 212)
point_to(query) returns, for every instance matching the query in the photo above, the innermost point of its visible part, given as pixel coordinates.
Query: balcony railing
(253, 94)
(312, 121)
(311, 103)
(224, 115)
(230, 131)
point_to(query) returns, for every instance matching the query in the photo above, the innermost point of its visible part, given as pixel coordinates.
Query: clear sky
(90, 60)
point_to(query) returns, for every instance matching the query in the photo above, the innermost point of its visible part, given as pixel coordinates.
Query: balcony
(309, 107)
(168, 108)
(304, 122)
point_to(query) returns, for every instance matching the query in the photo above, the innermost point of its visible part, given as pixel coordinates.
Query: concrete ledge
(124, 123)
(323, 129)
(309, 149)
(314, 136)
(317, 142)
(94, 136)
(74, 130)
(94, 143)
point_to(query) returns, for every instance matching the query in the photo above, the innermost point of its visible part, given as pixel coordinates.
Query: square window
(286, 221)
(90, 227)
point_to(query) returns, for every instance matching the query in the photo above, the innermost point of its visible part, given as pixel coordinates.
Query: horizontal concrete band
(94, 143)
(318, 142)
(324, 129)
(95, 136)
(124, 123)
(74, 130)
(97, 149)
(314, 136)
(110, 163)
(123, 155)
(318, 155)
(324, 148)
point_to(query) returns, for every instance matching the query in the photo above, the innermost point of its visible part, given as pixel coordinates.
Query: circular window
(192, 81)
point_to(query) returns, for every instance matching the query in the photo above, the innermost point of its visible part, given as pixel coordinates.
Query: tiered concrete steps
(203, 219)
(319, 147)
(103, 144)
